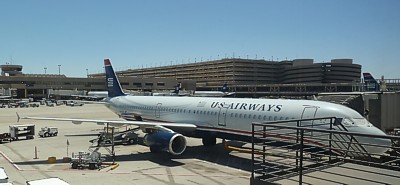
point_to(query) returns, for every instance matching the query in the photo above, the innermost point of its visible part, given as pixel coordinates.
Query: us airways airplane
(222, 93)
(166, 120)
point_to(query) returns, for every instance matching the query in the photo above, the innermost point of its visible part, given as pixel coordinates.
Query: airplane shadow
(81, 135)
(216, 154)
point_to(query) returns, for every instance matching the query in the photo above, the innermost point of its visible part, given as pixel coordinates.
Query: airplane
(167, 120)
(175, 92)
(222, 93)
(93, 96)
(370, 82)
(98, 94)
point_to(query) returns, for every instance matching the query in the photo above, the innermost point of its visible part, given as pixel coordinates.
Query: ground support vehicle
(48, 131)
(74, 103)
(5, 137)
(92, 160)
(17, 131)
(3, 176)
(128, 137)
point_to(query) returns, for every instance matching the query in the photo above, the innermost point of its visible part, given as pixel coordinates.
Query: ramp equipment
(27, 131)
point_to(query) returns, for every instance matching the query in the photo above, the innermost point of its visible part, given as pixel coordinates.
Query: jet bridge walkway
(298, 151)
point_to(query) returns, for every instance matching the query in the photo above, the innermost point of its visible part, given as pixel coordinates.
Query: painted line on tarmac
(10, 161)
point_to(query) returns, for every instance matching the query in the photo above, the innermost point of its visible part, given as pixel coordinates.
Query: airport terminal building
(13, 82)
(248, 77)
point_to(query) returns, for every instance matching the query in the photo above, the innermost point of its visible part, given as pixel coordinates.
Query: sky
(79, 35)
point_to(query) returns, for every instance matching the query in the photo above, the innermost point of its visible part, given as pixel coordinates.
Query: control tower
(11, 70)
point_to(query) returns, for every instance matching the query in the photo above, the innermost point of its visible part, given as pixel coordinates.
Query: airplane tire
(154, 150)
(209, 141)
(74, 165)
(131, 141)
(92, 166)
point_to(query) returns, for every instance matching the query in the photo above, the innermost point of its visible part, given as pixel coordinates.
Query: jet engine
(171, 142)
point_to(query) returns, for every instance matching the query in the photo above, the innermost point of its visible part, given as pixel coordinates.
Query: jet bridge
(292, 149)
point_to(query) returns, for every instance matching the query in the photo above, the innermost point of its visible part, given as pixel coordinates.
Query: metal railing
(290, 148)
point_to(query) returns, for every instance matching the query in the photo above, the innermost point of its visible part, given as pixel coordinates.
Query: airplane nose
(383, 144)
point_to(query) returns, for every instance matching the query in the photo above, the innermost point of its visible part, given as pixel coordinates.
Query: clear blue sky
(78, 34)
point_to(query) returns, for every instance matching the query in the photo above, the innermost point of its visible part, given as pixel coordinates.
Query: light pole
(87, 73)
(59, 69)
(45, 69)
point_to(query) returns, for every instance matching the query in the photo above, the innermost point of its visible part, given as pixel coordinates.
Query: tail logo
(110, 82)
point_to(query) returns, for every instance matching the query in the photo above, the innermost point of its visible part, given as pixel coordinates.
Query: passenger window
(240, 115)
(245, 115)
(254, 117)
(265, 117)
(259, 117)
(275, 118)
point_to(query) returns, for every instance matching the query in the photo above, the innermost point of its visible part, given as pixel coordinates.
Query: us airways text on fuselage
(247, 106)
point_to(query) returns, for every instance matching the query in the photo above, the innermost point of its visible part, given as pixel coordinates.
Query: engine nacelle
(171, 142)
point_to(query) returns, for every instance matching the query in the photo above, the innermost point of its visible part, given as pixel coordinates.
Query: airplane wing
(174, 126)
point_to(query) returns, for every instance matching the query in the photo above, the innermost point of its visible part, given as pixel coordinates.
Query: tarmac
(137, 165)
(198, 165)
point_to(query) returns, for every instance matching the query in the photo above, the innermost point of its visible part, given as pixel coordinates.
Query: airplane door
(223, 111)
(158, 110)
(308, 113)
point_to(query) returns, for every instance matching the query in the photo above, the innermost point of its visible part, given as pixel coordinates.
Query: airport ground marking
(10, 161)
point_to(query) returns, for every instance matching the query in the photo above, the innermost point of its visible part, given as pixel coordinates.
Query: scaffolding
(286, 149)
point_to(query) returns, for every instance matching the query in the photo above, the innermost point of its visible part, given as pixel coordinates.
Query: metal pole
(301, 157)
(330, 140)
(297, 142)
(264, 136)
(112, 147)
(35, 153)
(252, 151)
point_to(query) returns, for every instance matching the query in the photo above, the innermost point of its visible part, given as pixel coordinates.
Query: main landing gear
(209, 141)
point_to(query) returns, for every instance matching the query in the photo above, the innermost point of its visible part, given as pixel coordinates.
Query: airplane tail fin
(113, 86)
(370, 82)
(225, 88)
(177, 88)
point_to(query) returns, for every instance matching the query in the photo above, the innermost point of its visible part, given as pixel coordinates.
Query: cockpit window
(347, 121)
(360, 121)
(355, 122)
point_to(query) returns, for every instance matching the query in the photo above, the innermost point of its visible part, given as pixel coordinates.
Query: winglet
(18, 117)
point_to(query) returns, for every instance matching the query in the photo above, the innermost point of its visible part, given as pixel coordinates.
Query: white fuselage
(234, 115)
(211, 94)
